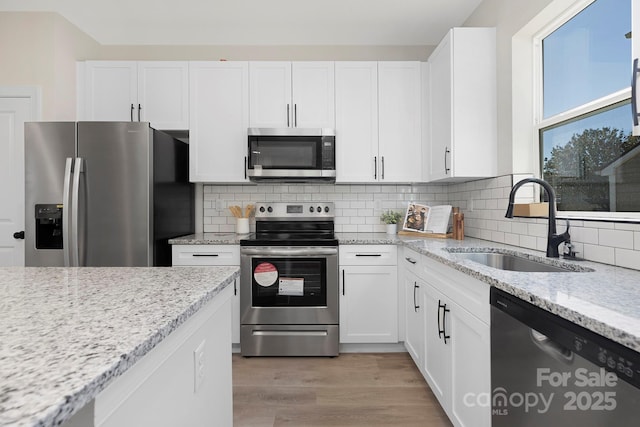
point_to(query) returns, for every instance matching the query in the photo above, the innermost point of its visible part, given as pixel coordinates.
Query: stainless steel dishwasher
(547, 371)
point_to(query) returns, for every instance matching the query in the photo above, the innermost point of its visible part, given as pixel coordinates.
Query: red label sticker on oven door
(265, 274)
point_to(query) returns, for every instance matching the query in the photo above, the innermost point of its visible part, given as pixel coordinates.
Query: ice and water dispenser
(48, 226)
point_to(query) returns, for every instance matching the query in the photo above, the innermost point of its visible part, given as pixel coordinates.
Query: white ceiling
(258, 22)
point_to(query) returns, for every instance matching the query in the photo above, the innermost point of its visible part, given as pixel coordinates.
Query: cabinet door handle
(295, 115)
(375, 167)
(382, 161)
(205, 255)
(235, 287)
(634, 100)
(442, 332)
(288, 123)
(343, 282)
(131, 112)
(446, 169)
(415, 306)
(139, 109)
(245, 167)
(411, 260)
(368, 254)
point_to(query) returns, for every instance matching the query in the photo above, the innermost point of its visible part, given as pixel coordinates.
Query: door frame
(33, 95)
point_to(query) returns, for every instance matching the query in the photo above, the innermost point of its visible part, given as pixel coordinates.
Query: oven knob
(269, 209)
(262, 209)
(311, 209)
(319, 209)
(326, 209)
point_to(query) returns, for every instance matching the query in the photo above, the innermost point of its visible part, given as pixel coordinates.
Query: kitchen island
(82, 346)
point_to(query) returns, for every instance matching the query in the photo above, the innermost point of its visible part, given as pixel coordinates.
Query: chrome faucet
(553, 240)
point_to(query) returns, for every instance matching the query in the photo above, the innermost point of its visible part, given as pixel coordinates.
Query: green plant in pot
(391, 218)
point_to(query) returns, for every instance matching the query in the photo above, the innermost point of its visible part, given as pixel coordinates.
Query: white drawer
(205, 255)
(410, 261)
(368, 255)
(468, 292)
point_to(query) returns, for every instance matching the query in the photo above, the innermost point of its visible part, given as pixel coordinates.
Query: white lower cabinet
(368, 294)
(457, 362)
(214, 255)
(413, 307)
(161, 390)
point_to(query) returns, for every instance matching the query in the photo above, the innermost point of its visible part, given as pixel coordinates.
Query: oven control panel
(307, 210)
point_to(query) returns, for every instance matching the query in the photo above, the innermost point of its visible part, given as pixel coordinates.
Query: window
(587, 152)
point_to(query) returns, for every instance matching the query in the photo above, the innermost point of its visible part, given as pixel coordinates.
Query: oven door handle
(289, 251)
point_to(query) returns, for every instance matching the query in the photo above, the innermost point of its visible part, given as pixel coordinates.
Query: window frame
(541, 123)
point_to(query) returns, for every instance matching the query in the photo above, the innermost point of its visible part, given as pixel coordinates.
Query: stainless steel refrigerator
(104, 194)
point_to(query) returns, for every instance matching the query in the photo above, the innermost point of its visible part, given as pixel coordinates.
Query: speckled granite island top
(65, 333)
(605, 300)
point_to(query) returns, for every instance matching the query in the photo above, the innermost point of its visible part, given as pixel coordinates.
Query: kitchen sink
(516, 262)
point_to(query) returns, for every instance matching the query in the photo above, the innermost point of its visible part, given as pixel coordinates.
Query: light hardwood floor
(354, 389)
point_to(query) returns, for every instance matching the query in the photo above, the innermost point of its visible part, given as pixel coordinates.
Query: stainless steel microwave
(291, 154)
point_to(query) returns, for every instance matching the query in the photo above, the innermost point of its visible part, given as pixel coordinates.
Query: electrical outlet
(219, 205)
(470, 206)
(198, 367)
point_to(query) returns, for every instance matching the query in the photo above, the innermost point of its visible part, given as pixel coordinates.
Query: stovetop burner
(293, 224)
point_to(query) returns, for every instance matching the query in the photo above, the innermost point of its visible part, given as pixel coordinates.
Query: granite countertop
(605, 301)
(65, 333)
(209, 239)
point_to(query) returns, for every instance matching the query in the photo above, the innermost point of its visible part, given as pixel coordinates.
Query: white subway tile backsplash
(599, 254)
(615, 238)
(358, 208)
(627, 258)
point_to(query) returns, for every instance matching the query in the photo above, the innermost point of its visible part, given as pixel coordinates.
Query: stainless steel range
(289, 282)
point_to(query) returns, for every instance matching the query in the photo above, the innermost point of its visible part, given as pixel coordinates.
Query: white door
(270, 94)
(163, 94)
(414, 316)
(399, 121)
(369, 304)
(437, 355)
(356, 121)
(13, 113)
(111, 91)
(440, 81)
(470, 373)
(313, 94)
(219, 101)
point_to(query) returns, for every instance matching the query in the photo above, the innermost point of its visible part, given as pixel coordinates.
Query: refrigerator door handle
(75, 195)
(66, 211)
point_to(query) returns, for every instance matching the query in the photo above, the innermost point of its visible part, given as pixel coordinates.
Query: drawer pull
(204, 255)
(368, 254)
(411, 260)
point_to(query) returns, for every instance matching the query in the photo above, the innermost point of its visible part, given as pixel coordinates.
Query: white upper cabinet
(152, 91)
(110, 91)
(399, 122)
(463, 123)
(356, 121)
(219, 120)
(378, 122)
(292, 94)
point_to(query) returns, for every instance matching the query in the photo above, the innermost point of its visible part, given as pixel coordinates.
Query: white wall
(40, 49)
